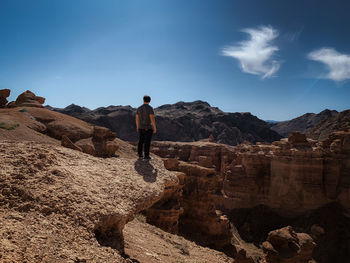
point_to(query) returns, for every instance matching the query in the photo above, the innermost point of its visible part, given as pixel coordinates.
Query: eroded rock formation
(28, 99)
(101, 143)
(60, 205)
(292, 177)
(303, 123)
(341, 121)
(4, 93)
(286, 246)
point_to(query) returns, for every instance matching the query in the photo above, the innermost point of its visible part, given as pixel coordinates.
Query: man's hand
(153, 121)
(137, 122)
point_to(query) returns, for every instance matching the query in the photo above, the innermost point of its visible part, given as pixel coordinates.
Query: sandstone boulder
(297, 138)
(4, 93)
(241, 255)
(101, 144)
(73, 131)
(286, 246)
(66, 142)
(29, 99)
(101, 133)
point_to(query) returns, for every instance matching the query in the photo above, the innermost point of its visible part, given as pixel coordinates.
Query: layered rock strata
(101, 143)
(292, 176)
(28, 99)
(166, 212)
(60, 205)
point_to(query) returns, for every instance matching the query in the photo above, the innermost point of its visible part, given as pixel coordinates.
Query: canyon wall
(292, 177)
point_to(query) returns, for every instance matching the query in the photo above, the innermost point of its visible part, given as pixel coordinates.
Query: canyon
(287, 181)
(285, 201)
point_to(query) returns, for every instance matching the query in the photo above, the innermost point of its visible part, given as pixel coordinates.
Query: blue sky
(276, 59)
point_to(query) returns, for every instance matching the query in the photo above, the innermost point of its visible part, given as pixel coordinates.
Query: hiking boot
(147, 158)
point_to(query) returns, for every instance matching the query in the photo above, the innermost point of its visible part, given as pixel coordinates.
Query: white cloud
(255, 55)
(337, 63)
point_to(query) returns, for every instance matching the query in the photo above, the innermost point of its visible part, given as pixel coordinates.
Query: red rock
(298, 138)
(290, 177)
(58, 128)
(317, 230)
(98, 148)
(29, 99)
(166, 212)
(171, 164)
(3, 101)
(241, 255)
(286, 246)
(102, 133)
(66, 142)
(4, 93)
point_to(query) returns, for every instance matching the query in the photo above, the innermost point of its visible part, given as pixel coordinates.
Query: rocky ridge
(182, 121)
(341, 121)
(302, 123)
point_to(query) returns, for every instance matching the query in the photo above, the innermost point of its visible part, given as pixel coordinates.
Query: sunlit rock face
(292, 177)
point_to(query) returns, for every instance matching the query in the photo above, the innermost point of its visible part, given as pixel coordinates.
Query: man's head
(146, 99)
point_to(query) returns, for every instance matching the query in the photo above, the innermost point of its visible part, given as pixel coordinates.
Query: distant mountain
(339, 122)
(182, 121)
(272, 121)
(303, 123)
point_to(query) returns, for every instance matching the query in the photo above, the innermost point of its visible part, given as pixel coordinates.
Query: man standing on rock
(146, 126)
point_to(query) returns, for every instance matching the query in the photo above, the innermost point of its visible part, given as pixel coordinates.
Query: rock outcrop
(200, 219)
(60, 205)
(29, 99)
(293, 177)
(4, 93)
(286, 246)
(101, 143)
(166, 212)
(339, 122)
(303, 123)
(182, 121)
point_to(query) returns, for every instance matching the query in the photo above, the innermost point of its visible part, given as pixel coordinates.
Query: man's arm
(151, 116)
(137, 122)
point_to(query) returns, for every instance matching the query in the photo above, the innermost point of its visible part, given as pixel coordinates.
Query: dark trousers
(145, 137)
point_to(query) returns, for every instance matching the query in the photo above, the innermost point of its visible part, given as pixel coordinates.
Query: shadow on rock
(146, 169)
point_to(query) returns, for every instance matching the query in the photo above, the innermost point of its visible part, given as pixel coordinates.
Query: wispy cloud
(292, 35)
(255, 55)
(338, 64)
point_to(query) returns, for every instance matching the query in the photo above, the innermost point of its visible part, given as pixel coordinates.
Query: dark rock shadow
(146, 169)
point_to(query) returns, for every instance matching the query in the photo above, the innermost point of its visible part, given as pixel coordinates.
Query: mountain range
(182, 121)
(195, 121)
(302, 123)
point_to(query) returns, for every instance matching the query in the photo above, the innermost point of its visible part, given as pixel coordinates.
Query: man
(146, 126)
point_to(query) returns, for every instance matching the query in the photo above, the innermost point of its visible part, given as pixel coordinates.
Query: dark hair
(146, 98)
